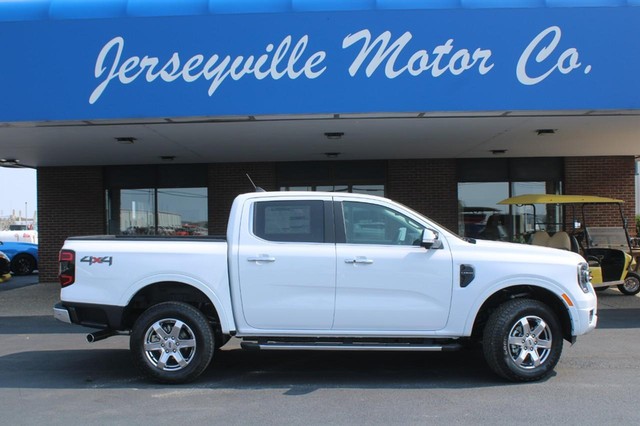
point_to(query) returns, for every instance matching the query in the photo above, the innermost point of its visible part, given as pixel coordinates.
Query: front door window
(374, 224)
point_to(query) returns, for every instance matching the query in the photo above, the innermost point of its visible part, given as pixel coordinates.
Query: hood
(535, 254)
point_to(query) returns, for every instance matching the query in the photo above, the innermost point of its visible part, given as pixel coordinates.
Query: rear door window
(289, 221)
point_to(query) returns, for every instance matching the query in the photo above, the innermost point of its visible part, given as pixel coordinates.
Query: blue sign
(321, 62)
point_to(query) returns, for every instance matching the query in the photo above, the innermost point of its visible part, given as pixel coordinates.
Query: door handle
(361, 260)
(262, 258)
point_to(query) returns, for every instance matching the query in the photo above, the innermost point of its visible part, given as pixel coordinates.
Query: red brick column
(71, 202)
(226, 181)
(612, 177)
(427, 186)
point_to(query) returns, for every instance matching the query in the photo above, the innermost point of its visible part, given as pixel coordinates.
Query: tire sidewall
(17, 261)
(198, 324)
(497, 339)
(636, 290)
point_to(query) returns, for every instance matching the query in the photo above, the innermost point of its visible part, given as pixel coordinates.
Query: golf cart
(608, 250)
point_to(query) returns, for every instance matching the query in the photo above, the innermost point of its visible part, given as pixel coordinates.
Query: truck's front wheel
(172, 342)
(522, 340)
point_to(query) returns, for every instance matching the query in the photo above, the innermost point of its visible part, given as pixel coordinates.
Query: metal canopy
(37, 10)
(558, 199)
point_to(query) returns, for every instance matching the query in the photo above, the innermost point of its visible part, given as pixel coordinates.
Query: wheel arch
(541, 294)
(173, 291)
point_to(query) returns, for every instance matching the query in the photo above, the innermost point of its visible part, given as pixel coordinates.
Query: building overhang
(217, 81)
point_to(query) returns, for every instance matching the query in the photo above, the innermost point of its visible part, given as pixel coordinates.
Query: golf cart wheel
(631, 285)
(522, 340)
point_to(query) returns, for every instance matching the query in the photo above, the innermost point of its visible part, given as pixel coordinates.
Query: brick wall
(71, 202)
(612, 177)
(427, 186)
(226, 181)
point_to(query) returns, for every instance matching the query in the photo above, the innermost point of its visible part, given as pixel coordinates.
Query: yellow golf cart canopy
(558, 199)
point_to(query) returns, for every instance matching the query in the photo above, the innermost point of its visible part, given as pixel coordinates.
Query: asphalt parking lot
(49, 374)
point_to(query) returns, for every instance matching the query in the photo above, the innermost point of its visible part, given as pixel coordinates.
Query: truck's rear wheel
(172, 342)
(522, 340)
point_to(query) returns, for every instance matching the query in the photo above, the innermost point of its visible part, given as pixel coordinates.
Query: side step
(337, 346)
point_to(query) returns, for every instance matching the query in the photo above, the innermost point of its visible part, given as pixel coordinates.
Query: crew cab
(326, 271)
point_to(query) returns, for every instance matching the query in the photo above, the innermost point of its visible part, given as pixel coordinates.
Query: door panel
(287, 283)
(384, 286)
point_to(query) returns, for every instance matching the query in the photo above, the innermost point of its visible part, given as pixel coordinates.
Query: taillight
(67, 275)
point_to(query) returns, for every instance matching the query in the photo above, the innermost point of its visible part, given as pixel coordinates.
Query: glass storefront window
(182, 211)
(368, 189)
(541, 217)
(357, 189)
(153, 211)
(332, 188)
(481, 217)
(137, 215)
(296, 188)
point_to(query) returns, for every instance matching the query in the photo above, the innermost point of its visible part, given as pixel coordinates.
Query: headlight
(584, 277)
(4, 256)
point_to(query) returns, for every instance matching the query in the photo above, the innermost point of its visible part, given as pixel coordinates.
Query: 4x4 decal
(92, 260)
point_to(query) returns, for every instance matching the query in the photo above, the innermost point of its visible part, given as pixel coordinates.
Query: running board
(321, 346)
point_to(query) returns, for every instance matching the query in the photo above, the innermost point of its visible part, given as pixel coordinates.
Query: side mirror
(430, 239)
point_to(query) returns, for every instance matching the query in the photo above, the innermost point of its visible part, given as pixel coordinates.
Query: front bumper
(585, 321)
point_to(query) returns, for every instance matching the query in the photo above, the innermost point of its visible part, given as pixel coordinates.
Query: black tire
(600, 288)
(167, 353)
(631, 285)
(23, 264)
(513, 350)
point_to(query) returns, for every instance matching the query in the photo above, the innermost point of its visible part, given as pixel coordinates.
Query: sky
(17, 187)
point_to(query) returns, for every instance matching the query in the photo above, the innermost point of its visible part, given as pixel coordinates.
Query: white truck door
(385, 280)
(287, 265)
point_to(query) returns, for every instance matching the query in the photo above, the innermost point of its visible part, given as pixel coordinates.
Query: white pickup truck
(326, 271)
